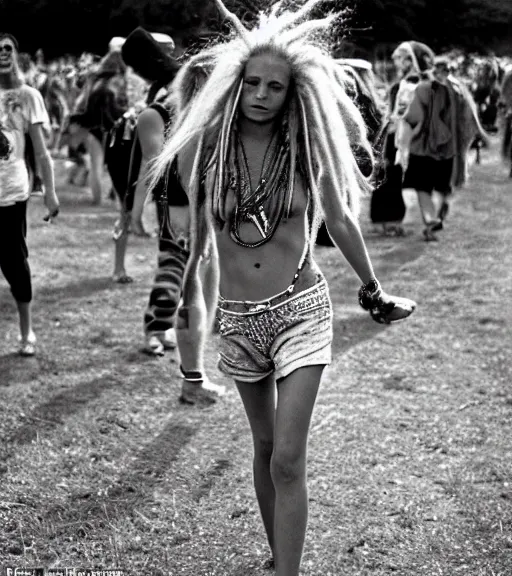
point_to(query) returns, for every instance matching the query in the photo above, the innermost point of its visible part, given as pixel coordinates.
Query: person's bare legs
(25, 319)
(95, 150)
(295, 402)
(121, 243)
(259, 400)
(27, 336)
(429, 214)
(427, 207)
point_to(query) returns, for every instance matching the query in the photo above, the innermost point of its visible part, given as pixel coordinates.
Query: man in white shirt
(22, 112)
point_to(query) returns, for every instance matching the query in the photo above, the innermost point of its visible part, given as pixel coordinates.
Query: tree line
(75, 26)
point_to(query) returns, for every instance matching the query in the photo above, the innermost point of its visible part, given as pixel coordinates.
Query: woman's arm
(346, 234)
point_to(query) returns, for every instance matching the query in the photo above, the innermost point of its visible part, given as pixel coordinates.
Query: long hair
(324, 123)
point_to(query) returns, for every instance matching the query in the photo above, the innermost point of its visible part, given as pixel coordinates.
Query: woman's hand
(383, 307)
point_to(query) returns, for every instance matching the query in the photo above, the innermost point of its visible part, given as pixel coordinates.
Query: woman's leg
(95, 149)
(259, 401)
(295, 402)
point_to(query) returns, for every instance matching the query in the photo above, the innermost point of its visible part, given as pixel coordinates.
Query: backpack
(123, 157)
(119, 148)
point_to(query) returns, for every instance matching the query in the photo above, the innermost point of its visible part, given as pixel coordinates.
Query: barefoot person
(22, 112)
(264, 150)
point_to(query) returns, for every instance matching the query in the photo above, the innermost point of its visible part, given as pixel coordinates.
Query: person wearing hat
(22, 112)
(150, 55)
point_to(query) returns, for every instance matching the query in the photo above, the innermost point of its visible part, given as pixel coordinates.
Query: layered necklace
(264, 206)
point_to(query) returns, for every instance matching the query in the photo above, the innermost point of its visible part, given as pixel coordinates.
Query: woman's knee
(263, 448)
(287, 466)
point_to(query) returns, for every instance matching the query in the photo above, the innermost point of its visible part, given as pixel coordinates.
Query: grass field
(410, 456)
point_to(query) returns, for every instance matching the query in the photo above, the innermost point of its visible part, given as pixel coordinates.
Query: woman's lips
(257, 107)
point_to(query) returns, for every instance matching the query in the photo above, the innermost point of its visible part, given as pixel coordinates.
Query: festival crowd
(252, 150)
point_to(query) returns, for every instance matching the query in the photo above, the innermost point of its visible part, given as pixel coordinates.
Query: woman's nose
(261, 93)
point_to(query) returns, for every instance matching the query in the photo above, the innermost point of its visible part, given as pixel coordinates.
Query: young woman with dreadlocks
(263, 149)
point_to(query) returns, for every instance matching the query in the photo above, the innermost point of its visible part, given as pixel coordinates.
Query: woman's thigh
(296, 399)
(259, 400)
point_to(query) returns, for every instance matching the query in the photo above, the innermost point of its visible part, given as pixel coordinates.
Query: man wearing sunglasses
(22, 113)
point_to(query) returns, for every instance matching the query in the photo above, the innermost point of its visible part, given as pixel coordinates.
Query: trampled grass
(411, 442)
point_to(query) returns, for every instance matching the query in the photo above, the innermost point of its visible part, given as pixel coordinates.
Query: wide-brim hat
(149, 57)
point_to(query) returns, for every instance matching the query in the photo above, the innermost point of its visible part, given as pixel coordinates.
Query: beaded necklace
(264, 206)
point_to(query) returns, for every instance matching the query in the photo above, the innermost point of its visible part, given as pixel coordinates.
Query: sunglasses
(6, 48)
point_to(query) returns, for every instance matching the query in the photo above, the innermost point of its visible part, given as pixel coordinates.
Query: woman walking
(263, 150)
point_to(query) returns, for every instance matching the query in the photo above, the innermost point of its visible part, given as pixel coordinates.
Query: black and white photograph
(256, 288)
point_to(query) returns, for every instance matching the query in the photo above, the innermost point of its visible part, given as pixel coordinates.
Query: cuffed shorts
(278, 338)
(427, 174)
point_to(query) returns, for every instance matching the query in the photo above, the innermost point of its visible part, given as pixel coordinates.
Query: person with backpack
(124, 156)
(150, 56)
(443, 120)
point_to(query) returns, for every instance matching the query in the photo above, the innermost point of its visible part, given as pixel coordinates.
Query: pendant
(260, 221)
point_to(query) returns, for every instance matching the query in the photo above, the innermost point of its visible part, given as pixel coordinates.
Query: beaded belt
(256, 307)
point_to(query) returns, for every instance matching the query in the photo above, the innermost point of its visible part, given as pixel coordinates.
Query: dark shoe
(428, 234)
(436, 225)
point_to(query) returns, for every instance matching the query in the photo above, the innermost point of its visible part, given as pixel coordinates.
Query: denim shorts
(266, 338)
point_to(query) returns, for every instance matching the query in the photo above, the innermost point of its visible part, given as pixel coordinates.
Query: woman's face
(266, 82)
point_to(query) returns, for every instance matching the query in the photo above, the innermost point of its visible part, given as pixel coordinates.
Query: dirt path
(411, 443)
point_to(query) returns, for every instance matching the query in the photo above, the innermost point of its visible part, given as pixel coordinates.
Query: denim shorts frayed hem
(278, 340)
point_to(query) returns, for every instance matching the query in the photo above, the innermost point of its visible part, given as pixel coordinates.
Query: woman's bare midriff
(259, 273)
